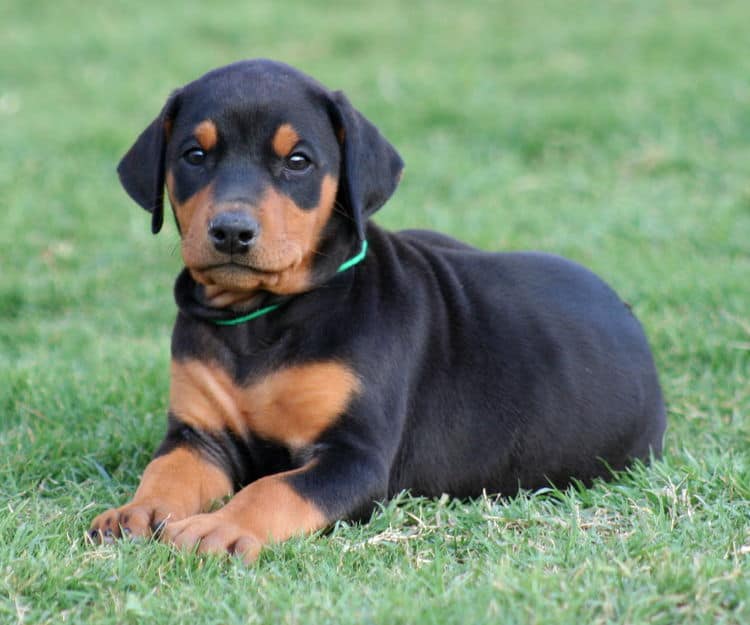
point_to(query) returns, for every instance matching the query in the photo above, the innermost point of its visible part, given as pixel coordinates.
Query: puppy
(321, 364)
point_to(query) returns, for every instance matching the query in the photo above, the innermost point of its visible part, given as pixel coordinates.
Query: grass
(616, 133)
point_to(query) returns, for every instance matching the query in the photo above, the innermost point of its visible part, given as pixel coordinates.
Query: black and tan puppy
(320, 363)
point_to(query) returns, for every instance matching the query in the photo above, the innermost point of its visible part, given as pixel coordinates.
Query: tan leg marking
(174, 486)
(268, 510)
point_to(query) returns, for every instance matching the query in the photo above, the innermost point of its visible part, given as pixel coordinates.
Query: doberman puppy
(321, 363)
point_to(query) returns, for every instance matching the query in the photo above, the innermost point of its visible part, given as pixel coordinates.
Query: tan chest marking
(292, 406)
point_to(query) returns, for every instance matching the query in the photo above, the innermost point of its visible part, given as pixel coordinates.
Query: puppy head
(264, 168)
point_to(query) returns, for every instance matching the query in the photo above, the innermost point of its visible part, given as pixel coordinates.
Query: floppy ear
(141, 170)
(371, 167)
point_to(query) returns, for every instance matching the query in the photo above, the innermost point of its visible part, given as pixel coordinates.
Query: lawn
(614, 133)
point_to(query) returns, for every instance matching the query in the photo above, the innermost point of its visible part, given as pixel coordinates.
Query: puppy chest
(291, 406)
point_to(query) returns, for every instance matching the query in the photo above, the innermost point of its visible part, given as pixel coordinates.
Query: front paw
(134, 520)
(214, 533)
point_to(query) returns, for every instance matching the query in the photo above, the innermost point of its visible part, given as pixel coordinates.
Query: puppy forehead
(262, 78)
(246, 120)
(253, 96)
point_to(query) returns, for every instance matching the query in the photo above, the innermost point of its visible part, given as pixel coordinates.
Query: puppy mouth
(242, 266)
(234, 265)
(264, 269)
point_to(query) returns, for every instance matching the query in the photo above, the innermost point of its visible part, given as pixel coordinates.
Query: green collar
(348, 264)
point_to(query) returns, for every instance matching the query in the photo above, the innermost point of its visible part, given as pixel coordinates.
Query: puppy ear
(141, 170)
(371, 168)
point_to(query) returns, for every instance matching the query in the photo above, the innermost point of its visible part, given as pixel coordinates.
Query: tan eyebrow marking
(206, 134)
(284, 140)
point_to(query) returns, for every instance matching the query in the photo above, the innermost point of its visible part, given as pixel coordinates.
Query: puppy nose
(233, 232)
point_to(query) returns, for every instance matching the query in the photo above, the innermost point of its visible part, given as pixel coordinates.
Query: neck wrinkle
(220, 297)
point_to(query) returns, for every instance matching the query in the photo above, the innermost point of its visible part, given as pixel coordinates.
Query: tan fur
(221, 297)
(268, 510)
(274, 510)
(189, 214)
(174, 486)
(281, 259)
(292, 406)
(200, 482)
(289, 232)
(284, 140)
(207, 134)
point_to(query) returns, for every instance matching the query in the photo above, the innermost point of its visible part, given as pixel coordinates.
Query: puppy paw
(213, 533)
(134, 520)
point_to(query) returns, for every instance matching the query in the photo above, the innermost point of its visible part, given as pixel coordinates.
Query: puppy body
(480, 371)
(422, 364)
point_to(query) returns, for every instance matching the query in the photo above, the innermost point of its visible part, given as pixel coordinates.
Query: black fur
(480, 371)
(141, 170)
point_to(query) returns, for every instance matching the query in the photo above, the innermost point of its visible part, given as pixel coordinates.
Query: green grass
(615, 133)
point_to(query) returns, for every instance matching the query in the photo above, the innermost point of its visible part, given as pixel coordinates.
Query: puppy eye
(297, 162)
(194, 156)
